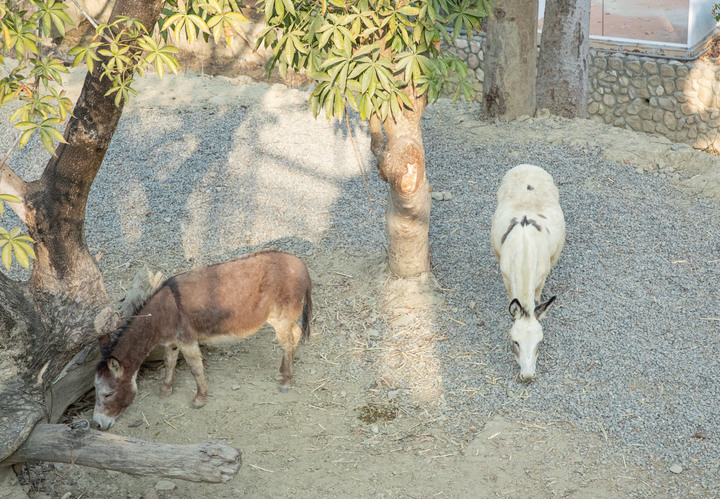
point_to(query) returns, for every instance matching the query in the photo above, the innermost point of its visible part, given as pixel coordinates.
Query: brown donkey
(212, 303)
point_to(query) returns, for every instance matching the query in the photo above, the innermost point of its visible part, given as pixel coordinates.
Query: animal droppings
(372, 413)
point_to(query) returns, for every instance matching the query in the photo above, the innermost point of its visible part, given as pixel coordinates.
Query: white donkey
(527, 235)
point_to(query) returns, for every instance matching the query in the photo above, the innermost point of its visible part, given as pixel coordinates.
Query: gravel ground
(631, 351)
(203, 169)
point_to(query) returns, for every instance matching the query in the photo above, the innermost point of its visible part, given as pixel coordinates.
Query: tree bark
(401, 163)
(64, 306)
(562, 80)
(510, 60)
(78, 444)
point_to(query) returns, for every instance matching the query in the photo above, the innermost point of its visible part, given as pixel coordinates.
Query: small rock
(150, 494)
(441, 196)
(403, 320)
(236, 387)
(343, 393)
(676, 468)
(217, 101)
(372, 332)
(393, 393)
(313, 371)
(472, 305)
(165, 485)
(374, 428)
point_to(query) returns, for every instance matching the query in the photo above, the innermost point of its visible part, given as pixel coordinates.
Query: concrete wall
(677, 99)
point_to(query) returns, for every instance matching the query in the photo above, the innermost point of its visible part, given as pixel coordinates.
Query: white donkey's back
(528, 190)
(527, 235)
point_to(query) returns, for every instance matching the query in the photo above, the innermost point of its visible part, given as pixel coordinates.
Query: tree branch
(77, 443)
(11, 183)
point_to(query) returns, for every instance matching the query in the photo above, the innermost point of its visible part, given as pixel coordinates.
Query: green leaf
(9, 198)
(47, 142)
(21, 257)
(7, 256)
(352, 102)
(289, 6)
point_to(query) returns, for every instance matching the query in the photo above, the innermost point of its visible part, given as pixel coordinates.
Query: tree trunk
(78, 444)
(64, 306)
(562, 81)
(510, 60)
(401, 163)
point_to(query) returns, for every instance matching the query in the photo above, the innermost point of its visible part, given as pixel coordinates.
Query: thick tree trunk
(78, 444)
(401, 162)
(562, 79)
(510, 60)
(64, 305)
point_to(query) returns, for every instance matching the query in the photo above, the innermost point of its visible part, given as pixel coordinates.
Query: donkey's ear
(516, 310)
(542, 309)
(116, 369)
(104, 339)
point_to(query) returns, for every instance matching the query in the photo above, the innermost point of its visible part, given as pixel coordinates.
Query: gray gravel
(632, 349)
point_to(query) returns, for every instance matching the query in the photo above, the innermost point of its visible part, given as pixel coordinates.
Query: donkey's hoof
(284, 388)
(165, 391)
(197, 403)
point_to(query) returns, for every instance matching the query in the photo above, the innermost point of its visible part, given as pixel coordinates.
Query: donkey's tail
(307, 313)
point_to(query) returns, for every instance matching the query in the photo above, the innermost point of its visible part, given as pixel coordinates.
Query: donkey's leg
(171, 356)
(538, 290)
(288, 335)
(194, 359)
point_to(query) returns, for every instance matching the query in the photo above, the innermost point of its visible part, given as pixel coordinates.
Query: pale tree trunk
(401, 163)
(510, 60)
(562, 80)
(64, 306)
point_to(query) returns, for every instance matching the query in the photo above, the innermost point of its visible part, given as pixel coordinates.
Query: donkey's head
(115, 389)
(526, 335)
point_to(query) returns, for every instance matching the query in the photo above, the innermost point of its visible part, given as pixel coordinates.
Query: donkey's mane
(106, 350)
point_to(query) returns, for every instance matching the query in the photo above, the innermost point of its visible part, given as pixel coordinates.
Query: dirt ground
(345, 430)
(340, 432)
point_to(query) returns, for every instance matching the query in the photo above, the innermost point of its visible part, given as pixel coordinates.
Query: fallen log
(77, 443)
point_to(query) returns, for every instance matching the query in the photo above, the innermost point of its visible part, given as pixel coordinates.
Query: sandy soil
(341, 432)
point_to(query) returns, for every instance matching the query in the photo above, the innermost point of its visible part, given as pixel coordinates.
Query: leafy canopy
(371, 52)
(35, 80)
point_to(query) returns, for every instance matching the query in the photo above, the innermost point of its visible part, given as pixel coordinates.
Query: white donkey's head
(526, 335)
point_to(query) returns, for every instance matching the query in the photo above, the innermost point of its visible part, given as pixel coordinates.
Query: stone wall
(677, 99)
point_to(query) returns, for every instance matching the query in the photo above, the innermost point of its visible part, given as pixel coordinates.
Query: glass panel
(649, 20)
(652, 20)
(701, 20)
